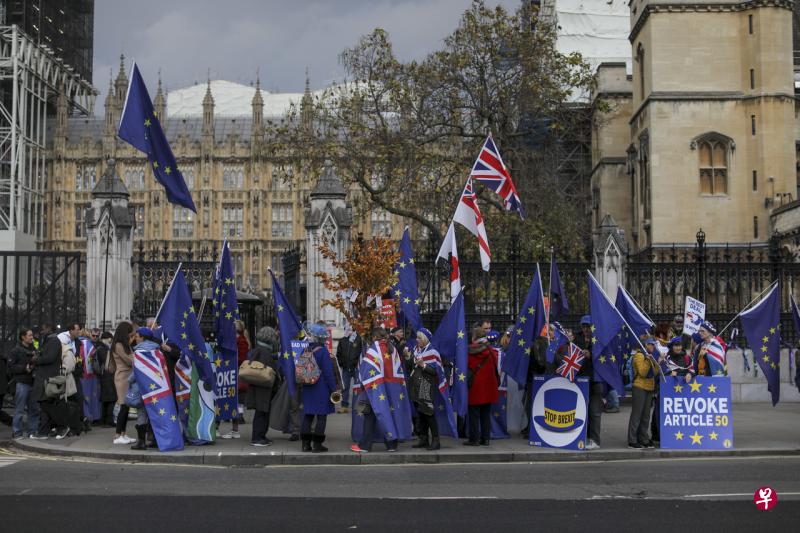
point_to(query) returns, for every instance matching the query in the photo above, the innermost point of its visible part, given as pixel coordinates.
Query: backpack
(306, 369)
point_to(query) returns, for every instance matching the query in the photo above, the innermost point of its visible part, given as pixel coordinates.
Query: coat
(316, 398)
(18, 360)
(124, 364)
(108, 390)
(484, 383)
(242, 349)
(48, 364)
(348, 352)
(644, 372)
(260, 398)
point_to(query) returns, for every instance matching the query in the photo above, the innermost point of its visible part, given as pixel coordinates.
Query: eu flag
(761, 324)
(795, 315)
(289, 326)
(558, 296)
(530, 322)
(452, 343)
(405, 291)
(559, 339)
(141, 128)
(635, 317)
(150, 370)
(178, 322)
(607, 343)
(226, 310)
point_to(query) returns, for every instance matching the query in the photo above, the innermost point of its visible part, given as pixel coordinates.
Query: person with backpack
(314, 370)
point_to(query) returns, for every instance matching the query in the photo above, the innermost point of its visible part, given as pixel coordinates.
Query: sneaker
(265, 442)
(36, 436)
(124, 439)
(635, 445)
(63, 434)
(355, 448)
(232, 435)
(648, 444)
(592, 445)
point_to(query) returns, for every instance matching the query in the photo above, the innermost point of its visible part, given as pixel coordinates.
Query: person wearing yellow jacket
(645, 372)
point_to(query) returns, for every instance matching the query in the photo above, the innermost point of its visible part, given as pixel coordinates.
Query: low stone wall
(751, 386)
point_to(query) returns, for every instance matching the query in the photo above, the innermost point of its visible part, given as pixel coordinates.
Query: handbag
(256, 373)
(279, 409)
(471, 373)
(55, 387)
(133, 398)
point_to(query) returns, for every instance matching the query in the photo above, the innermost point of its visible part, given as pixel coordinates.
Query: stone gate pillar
(328, 218)
(109, 247)
(611, 253)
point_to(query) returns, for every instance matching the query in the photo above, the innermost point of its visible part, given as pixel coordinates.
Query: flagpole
(155, 320)
(745, 307)
(549, 293)
(639, 342)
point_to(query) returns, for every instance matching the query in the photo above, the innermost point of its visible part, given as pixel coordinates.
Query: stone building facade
(240, 193)
(701, 132)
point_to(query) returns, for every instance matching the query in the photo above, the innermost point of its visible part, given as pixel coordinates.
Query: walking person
(316, 395)
(123, 363)
(20, 368)
(482, 381)
(260, 397)
(644, 372)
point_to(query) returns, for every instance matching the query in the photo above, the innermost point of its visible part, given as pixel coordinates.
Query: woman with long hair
(123, 361)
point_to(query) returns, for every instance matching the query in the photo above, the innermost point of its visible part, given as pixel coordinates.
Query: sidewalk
(759, 429)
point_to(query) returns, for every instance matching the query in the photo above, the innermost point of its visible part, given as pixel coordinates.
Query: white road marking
(735, 495)
(8, 461)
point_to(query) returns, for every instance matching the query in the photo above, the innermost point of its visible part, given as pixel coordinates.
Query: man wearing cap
(596, 388)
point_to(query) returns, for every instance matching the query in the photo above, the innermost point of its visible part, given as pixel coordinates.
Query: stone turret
(159, 102)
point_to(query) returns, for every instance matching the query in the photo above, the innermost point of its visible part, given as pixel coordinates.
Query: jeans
(480, 416)
(22, 399)
(294, 410)
(319, 427)
(260, 426)
(348, 375)
(639, 423)
(613, 399)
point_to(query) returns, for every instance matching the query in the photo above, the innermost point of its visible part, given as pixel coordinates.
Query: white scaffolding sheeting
(598, 29)
(31, 76)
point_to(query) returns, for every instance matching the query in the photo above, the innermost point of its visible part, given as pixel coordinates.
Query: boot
(305, 439)
(434, 444)
(141, 436)
(318, 447)
(422, 442)
(150, 437)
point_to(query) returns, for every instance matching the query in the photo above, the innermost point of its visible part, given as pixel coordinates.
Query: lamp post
(105, 275)
(701, 267)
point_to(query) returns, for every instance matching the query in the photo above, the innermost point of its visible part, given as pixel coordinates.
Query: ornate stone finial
(159, 101)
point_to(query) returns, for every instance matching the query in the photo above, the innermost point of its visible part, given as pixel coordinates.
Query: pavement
(759, 430)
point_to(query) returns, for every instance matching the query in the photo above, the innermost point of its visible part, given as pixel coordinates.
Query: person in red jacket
(243, 348)
(482, 382)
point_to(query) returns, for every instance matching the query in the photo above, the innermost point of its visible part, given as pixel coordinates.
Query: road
(47, 494)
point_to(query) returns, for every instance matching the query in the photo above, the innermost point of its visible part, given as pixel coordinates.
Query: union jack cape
(381, 374)
(442, 406)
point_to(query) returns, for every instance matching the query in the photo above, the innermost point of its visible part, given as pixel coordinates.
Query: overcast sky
(235, 38)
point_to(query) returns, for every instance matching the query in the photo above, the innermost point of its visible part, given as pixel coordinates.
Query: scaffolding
(31, 78)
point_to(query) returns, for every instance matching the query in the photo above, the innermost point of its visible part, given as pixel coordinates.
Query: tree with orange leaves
(365, 274)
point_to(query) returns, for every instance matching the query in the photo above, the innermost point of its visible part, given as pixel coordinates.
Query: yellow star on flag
(521, 342)
(695, 386)
(162, 412)
(602, 359)
(765, 339)
(766, 358)
(402, 396)
(678, 436)
(280, 308)
(531, 310)
(712, 388)
(173, 418)
(167, 170)
(519, 331)
(406, 300)
(155, 164)
(382, 397)
(696, 438)
(527, 351)
(460, 334)
(522, 319)
(772, 330)
(147, 122)
(152, 386)
(461, 377)
(678, 388)
(402, 264)
(713, 435)
(372, 372)
(613, 358)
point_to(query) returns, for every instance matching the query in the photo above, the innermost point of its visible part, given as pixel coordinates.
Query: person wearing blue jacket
(316, 397)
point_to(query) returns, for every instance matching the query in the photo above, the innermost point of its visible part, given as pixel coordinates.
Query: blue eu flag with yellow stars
(761, 324)
(178, 322)
(405, 291)
(607, 343)
(451, 340)
(226, 310)
(529, 326)
(141, 128)
(289, 326)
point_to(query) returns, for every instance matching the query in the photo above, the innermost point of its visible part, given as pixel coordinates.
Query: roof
(174, 127)
(110, 185)
(329, 185)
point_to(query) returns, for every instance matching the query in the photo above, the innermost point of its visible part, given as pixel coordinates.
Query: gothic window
(80, 221)
(138, 212)
(188, 175)
(282, 227)
(85, 177)
(233, 220)
(238, 266)
(381, 223)
(329, 231)
(713, 151)
(182, 223)
(233, 177)
(134, 177)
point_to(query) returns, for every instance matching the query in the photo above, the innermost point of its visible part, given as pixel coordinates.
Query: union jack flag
(490, 170)
(431, 357)
(715, 352)
(86, 352)
(572, 363)
(150, 370)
